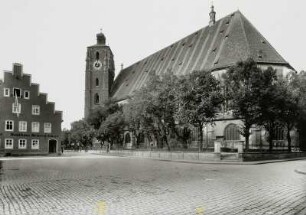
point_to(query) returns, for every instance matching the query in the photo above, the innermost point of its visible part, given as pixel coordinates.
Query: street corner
(301, 170)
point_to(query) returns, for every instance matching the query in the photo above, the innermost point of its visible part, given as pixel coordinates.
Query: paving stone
(111, 185)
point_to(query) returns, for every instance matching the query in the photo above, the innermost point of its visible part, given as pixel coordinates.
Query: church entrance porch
(52, 146)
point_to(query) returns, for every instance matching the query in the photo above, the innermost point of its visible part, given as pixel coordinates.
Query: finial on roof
(212, 15)
(122, 66)
(101, 38)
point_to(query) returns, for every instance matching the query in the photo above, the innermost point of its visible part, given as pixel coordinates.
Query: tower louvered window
(97, 98)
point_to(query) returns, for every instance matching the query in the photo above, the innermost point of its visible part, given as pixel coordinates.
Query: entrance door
(52, 146)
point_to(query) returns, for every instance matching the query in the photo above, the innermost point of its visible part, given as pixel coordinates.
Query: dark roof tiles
(230, 39)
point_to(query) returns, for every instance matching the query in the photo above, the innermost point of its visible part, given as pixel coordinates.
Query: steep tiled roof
(230, 39)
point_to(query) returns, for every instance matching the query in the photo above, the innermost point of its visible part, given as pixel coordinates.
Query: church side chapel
(214, 48)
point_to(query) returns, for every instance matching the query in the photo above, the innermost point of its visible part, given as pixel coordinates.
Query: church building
(213, 48)
(29, 124)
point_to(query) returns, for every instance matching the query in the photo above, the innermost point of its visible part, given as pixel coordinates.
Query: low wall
(271, 156)
(165, 155)
(207, 156)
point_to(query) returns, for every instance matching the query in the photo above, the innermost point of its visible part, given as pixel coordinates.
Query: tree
(298, 86)
(199, 100)
(289, 103)
(112, 128)
(278, 106)
(100, 113)
(132, 112)
(243, 86)
(65, 138)
(99, 116)
(82, 132)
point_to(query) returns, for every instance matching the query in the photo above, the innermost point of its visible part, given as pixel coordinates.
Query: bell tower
(99, 74)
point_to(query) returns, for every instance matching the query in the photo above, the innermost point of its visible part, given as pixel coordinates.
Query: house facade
(29, 124)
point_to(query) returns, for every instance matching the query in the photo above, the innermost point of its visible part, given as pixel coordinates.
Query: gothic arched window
(97, 56)
(231, 132)
(97, 99)
(278, 133)
(97, 82)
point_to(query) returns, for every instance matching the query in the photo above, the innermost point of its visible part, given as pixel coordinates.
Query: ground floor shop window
(9, 143)
(35, 144)
(22, 144)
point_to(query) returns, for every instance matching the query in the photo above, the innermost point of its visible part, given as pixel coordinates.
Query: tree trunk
(289, 138)
(247, 137)
(167, 143)
(201, 137)
(270, 139)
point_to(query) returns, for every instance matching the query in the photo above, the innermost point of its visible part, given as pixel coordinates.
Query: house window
(9, 125)
(22, 126)
(26, 95)
(9, 143)
(6, 92)
(16, 107)
(35, 144)
(35, 109)
(17, 92)
(22, 144)
(35, 126)
(231, 132)
(47, 127)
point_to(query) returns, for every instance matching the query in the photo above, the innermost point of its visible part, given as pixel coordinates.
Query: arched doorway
(52, 146)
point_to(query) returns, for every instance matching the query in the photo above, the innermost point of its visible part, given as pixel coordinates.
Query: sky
(49, 37)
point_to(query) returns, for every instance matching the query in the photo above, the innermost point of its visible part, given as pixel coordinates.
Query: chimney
(17, 70)
(212, 16)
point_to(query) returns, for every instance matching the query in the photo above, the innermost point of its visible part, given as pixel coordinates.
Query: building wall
(104, 74)
(17, 79)
(258, 136)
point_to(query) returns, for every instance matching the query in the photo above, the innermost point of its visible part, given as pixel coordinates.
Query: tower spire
(212, 15)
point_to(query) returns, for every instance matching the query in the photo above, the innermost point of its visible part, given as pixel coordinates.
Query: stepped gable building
(28, 122)
(214, 49)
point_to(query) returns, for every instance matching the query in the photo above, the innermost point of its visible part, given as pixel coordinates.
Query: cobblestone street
(94, 184)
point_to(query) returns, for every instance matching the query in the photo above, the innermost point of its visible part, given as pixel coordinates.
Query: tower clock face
(97, 65)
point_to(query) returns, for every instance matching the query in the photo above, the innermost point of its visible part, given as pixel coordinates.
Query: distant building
(213, 48)
(29, 124)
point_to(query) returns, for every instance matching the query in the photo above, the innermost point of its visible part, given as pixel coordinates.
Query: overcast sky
(49, 37)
